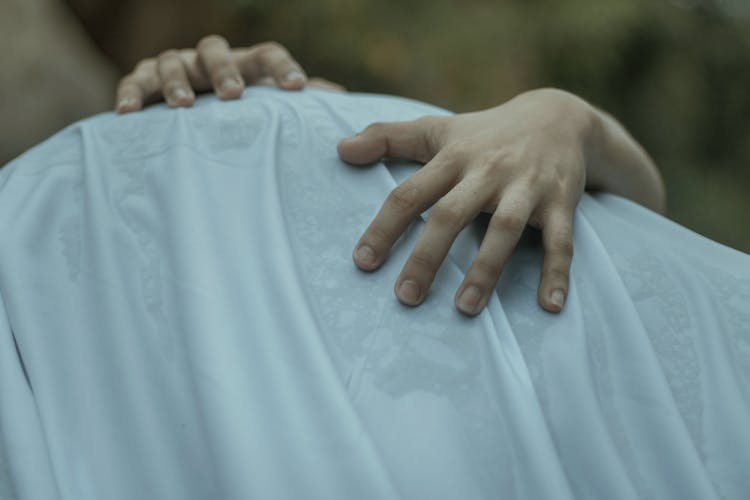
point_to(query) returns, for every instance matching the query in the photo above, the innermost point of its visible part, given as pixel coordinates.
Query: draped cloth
(180, 318)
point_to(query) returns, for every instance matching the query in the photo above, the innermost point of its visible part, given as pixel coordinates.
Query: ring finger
(504, 231)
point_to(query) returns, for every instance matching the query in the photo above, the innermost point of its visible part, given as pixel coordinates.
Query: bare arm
(617, 164)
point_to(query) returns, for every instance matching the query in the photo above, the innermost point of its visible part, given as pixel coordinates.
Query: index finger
(138, 87)
(403, 205)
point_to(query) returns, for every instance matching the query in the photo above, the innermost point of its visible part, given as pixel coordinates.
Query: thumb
(414, 140)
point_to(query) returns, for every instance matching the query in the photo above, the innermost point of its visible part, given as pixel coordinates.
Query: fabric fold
(180, 288)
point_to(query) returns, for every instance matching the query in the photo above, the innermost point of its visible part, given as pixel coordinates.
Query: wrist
(618, 164)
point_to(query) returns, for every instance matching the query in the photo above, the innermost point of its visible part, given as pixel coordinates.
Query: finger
(138, 88)
(196, 73)
(414, 140)
(129, 96)
(448, 217)
(401, 207)
(215, 56)
(174, 80)
(322, 83)
(557, 239)
(270, 59)
(504, 230)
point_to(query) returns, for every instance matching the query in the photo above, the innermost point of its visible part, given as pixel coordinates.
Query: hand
(175, 75)
(523, 162)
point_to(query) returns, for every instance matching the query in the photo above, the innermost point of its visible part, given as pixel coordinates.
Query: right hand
(176, 75)
(524, 162)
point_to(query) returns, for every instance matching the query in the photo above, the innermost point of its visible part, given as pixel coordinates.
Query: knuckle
(171, 86)
(404, 198)
(556, 275)
(126, 81)
(210, 40)
(224, 70)
(457, 152)
(486, 269)
(432, 132)
(147, 80)
(423, 260)
(502, 158)
(377, 128)
(449, 215)
(428, 121)
(508, 222)
(378, 234)
(451, 157)
(270, 47)
(559, 185)
(145, 66)
(563, 247)
(533, 176)
(272, 55)
(168, 54)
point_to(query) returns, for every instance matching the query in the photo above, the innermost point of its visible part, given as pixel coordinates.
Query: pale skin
(524, 162)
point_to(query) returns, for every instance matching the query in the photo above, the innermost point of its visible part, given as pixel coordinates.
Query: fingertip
(183, 97)
(344, 147)
(364, 257)
(551, 308)
(356, 151)
(127, 105)
(230, 88)
(557, 298)
(293, 85)
(294, 80)
(469, 300)
(554, 301)
(408, 292)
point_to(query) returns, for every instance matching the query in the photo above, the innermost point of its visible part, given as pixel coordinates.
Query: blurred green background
(676, 73)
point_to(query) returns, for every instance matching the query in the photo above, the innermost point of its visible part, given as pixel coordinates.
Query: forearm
(616, 163)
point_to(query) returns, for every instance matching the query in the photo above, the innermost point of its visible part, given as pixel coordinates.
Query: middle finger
(449, 216)
(216, 57)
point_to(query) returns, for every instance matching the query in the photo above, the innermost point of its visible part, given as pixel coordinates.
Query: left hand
(176, 75)
(523, 162)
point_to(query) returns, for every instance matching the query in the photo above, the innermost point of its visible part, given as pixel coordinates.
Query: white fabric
(180, 318)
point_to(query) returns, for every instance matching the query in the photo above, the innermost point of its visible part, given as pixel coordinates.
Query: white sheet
(180, 318)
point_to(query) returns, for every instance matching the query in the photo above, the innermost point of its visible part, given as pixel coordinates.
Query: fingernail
(181, 94)
(124, 103)
(230, 83)
(365, 255)
(294, 76)
(557, 297)
(469, 299)
(408, 292)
